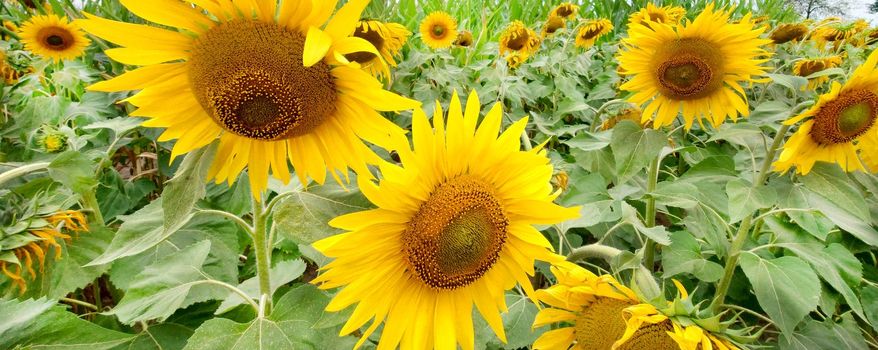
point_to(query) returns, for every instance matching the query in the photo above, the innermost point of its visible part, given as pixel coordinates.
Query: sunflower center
(457, 234)
(518, 41)
(787, 33)
(811, 67)
(56, 38)
(591, 32)
(565, 11)
(688, 69)
(651, 337)
(554, 24)
(373, 37)
(845, 118)
(657, 17)
(249, 77)
(438, 31)
(600, 324)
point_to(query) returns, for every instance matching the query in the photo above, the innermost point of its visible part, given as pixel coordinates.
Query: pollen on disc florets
(457, 234)
(599, 324)
(249, 77)
(652, 337)
(688, 69)
(845, 118)
(55, 38)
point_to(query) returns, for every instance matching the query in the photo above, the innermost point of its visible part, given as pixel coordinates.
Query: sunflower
(552, 25)
(591, 31)
(788, 32)
(464, 39)
(16, 261)
(670, 15)
(266, 82)
(388, 39)
(838, 32)
(453, 228)
(438, 30)
(10, 28)
(565, 11)
(632, 113)
(53, 37)
(841, 124)
(698, 67)
(8, 74)
(517, 37)
(806, 67)
(598, 312)
(516, 59)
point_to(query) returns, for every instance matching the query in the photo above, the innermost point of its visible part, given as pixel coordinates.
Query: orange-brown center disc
(55, 38)
(591, 32)
(457, 234)
(249, 77)
(599, 324)
(845, 118)
(518, 40)
(438, 31)
(373, 37)
(652, 337)
(811, 67)
(688, 69)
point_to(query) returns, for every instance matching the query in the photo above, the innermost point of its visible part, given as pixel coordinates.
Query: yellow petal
(317, 44)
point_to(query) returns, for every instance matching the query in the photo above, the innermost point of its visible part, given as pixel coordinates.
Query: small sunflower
(632, 113)
(516, 59)
(8, 73)
(388, 39)
(565, 11)
(10, 28)
(552, 25)
(35, 241)
(838, 32)
(263, 78)
(806, 67)
(787, 32)
(53, 37)
(591, 31)
(841, 124)
(438, 30)
(517, 37)
(697, 67)
(453, 228)
(598, 312)
(51, 140)
(670, 15)
(464, 39)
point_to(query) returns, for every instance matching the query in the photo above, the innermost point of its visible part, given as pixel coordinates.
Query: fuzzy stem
(651, 182)
(260, 248)
(21, 171)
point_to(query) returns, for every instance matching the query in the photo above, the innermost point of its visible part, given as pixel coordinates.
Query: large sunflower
(388, 39)
(841, 124)
(806, 67)
(266, 81)
(598, 312)
(669, 15)
(592, 30)
(453, 228)
(53, 37)
(517, 37)
(698, 67)
(438, 30)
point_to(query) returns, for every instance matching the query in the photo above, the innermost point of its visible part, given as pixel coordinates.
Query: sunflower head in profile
(838, 32)
(670, 15)
(787, 32)
(516, 59)
(598, 312)
(464, 39)
(270, 82)
(438, 30)
(453, 228)
(839, 126)
(807, 67)
(592, 30)
(517, 37)
(553, 24)
(53, 37)
(632, 113)
(565, 11)
(696, 67)
(388, 39)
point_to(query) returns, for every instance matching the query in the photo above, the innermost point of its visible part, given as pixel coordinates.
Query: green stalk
(90, 202)
(260, 248)
(651, 182)
(21, 171)
(744, 229)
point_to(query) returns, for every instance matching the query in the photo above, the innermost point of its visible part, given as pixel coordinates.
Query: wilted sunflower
(438, 30)
(788, 32)
(632, 113)
(697, 67)
(453, 228)
(517, 37)
(34, 241)
(839, 32)
(516, 59)
(670, 15)
(806, 67)
(388, 39)
(464, 39)
(53, 37)
(841, 124)
(591, 31)
(552, 25)
(264, 81)
(598, 312)
(8, 74)
(565, 11)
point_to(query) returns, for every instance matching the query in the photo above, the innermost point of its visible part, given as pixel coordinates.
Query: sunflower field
(431, 174)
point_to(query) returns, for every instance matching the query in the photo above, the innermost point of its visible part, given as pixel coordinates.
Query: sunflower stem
(746, 224)
(651, 182)
(260, 248)
(90, 202)
(595, 250)
(21, 171)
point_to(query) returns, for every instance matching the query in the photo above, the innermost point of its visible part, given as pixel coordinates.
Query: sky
(860, 9)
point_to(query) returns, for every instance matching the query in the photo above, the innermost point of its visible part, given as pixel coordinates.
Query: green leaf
(786, 288)
(590, 142)
(825, 335)
(792, 82)
(677, 194)
(74, 170)
(832, 183)
(18, 314)
(298, 322)
(59, 329)
(68, 274)
(162, 336)
(118, 125)
(634, 148)
(282, 273)
(683, 255)
(303, 216)
(187, 187)
(517, 323)
(744, 200)
(869, 295)
(797, 197)
(657, 233)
